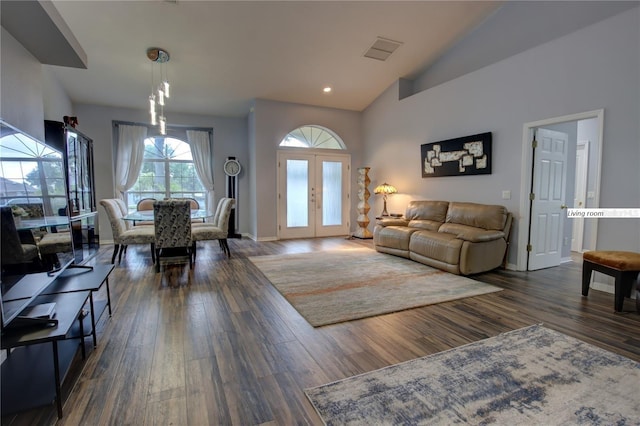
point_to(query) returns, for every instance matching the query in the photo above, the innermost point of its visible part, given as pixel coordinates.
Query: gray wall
(596, 67)
(271, 121)
(20, 87)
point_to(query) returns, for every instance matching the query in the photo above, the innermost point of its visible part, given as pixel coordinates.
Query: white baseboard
(609, 288)
(606, 287)
(511, 267)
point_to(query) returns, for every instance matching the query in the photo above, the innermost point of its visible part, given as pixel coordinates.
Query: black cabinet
(81, 198)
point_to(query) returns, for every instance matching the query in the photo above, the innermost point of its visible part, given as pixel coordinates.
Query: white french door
(313, 195)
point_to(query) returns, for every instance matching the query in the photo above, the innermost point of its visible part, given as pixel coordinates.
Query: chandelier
(159, 87)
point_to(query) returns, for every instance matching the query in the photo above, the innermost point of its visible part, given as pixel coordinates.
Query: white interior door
(313, 195)
(580, 198)
(549, 177)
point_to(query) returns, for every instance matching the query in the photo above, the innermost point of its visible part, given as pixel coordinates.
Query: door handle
(564, 207)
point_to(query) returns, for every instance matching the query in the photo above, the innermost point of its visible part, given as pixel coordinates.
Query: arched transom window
(313, 137)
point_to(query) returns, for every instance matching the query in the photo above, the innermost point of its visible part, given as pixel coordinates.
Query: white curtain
(203, 161)
(129, 156)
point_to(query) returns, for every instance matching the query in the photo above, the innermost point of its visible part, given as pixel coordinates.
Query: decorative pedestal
(363, 203)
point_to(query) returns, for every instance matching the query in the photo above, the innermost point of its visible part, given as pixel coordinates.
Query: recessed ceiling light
(327, 89)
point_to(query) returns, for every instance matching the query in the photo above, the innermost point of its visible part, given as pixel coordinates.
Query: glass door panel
(297, 193)
(331, 193)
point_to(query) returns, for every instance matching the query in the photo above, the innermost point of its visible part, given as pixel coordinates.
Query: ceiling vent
(382, 48)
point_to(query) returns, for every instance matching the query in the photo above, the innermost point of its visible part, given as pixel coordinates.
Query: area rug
(530, 376)
(332, 286)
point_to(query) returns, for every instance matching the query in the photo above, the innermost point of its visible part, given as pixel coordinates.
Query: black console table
(80, 279)
(39, 356)
(28, 379)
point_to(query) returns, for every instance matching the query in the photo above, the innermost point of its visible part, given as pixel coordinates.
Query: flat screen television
(37, 244)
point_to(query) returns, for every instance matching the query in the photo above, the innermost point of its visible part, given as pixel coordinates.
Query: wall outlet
(506, 195)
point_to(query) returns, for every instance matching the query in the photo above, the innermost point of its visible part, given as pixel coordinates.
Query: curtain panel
(129, 156)
(203, 160)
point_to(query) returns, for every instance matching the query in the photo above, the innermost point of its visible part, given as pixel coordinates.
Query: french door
(313, 194)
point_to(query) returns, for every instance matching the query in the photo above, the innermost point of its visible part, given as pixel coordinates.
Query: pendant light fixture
(159, 88)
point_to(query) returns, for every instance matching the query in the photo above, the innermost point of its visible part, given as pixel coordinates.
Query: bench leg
(587, 267)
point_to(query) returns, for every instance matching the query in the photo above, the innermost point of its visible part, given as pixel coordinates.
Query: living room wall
(592, 68)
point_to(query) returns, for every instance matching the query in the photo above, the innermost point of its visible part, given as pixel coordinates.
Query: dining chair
(172, 225)
(122, 237)
(145, 204)
(14, 251)
(218, 229)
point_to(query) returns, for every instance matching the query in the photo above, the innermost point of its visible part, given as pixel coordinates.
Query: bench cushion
(620, 260)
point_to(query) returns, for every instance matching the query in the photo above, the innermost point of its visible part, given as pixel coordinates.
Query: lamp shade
(385, 189)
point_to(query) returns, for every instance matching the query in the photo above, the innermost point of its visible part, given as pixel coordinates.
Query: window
(167, 172)
(312, 137)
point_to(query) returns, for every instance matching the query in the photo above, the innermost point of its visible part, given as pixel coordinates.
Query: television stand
(36, 315)
(23, 367)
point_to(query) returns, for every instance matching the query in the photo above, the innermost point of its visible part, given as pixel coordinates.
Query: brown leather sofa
(461, 238)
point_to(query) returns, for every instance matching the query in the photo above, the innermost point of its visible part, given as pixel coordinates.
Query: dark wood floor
(221, 346)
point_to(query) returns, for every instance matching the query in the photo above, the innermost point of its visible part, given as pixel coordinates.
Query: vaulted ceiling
(226, 53)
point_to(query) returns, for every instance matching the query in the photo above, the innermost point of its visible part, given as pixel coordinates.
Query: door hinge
(532, 196)
(534, 144)
(529, 247)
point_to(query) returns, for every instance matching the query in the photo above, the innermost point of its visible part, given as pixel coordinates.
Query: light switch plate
(506, 195)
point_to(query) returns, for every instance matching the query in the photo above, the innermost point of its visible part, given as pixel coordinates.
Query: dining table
(147, 215)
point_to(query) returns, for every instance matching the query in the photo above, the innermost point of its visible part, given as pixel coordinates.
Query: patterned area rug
(340, 285)
(531, 376)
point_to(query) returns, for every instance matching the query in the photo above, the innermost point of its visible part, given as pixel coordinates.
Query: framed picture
(469, 155)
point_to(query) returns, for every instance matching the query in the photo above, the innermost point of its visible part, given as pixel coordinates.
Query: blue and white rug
(530, 376)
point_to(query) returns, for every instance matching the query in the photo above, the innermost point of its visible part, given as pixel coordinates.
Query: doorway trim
(525, 177)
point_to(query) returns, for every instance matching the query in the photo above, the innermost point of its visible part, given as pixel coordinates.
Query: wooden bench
(624, 266)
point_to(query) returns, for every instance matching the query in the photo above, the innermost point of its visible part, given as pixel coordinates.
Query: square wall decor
(469, 155)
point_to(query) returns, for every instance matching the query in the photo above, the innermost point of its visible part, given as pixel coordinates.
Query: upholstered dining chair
(14, 251)
(218, 229)
(172, 224)
(122, 237)
(145, 204)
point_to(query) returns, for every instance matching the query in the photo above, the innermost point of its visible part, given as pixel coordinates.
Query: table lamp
(385, 189)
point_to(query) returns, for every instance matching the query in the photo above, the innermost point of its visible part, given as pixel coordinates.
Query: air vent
(382, 48)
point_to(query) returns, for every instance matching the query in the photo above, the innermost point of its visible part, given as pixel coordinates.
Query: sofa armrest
(392, 221)
(470, 233)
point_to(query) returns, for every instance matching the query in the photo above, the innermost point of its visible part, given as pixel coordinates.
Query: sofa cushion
(429, 225)
(392, 221)
(477, 215)
(436, 245)
(396, 237)
(470, 233)
(427, 210)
